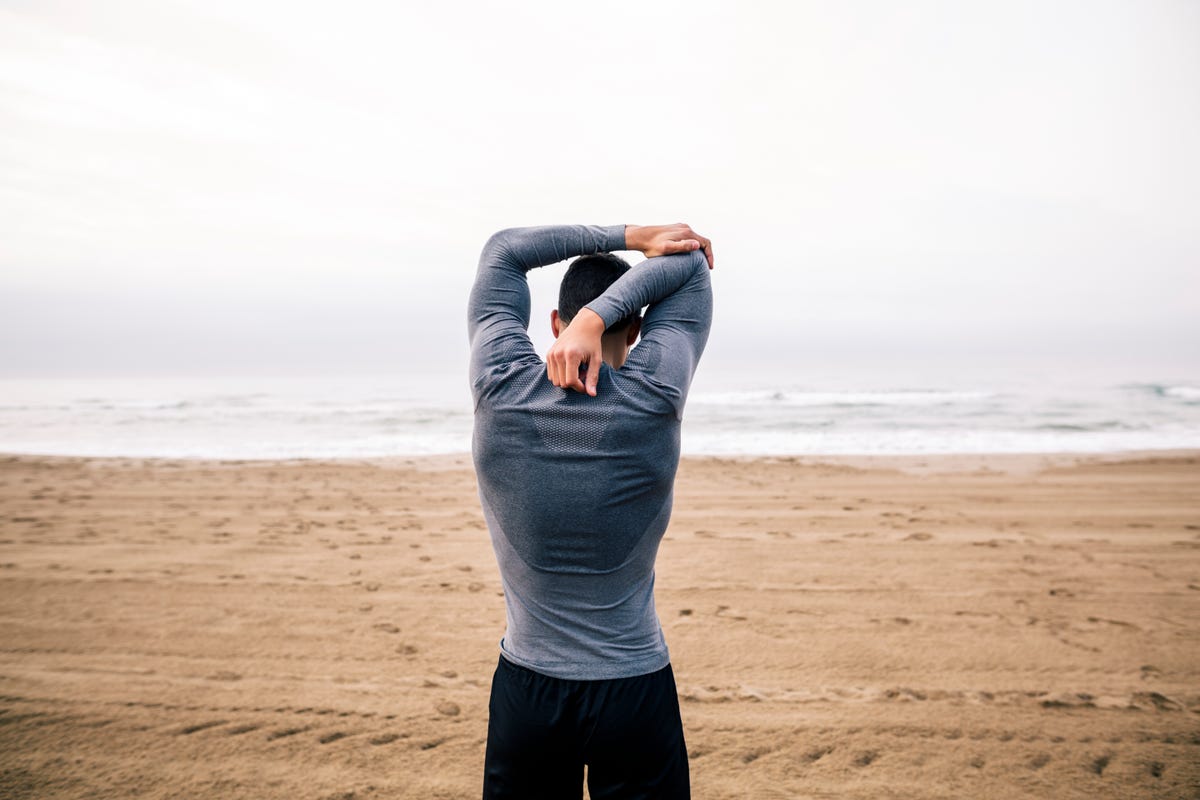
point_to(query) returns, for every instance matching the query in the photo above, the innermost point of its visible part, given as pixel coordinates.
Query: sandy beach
(909, 627)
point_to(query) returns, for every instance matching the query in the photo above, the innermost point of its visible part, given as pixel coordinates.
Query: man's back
(577, 495)
(577, 491)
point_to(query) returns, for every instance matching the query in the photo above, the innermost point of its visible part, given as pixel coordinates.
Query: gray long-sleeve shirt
(577, 490)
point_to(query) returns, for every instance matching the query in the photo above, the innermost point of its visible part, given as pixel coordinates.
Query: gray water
(367, 416)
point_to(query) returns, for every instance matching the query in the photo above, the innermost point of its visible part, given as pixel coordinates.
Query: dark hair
(586, 279)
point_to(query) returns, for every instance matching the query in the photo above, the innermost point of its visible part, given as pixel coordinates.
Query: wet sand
(938, 627)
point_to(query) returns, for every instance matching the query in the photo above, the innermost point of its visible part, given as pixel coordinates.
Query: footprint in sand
(727, 613)
(386, 738)
(1154, 700)
(755, 754)
(817, 753)
(240, 729)
(284, 733)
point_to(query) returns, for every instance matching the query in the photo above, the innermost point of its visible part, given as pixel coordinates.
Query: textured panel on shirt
(571, 424)
(563, 509)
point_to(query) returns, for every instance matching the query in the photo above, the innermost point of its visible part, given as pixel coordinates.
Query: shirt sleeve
(675, 329)
(498, 309)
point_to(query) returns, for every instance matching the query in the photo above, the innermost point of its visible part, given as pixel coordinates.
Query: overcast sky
(241, 186)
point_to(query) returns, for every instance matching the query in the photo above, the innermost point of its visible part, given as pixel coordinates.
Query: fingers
(555, 365)
(688, 245)
(703, 243)
(573, 361)
(563, 369)
(593, 373)
(681, 246)
(678, 238)
(708, 251)
(571, 373)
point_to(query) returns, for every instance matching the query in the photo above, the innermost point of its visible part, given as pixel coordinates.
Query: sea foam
(370, 416)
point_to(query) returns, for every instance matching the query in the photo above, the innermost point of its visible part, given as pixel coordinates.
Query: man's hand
(578, 344)
(661, 240)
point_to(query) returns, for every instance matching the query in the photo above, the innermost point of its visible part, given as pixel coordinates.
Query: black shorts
(543, 730)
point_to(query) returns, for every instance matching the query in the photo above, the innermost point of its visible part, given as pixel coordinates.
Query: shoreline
(910, 463)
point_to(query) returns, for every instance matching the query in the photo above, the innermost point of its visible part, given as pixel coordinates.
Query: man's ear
(556, 325)
(635, 328)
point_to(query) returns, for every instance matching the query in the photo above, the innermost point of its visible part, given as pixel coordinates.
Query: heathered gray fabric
(577, 490)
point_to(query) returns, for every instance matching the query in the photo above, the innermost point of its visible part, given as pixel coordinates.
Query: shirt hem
(594, 672)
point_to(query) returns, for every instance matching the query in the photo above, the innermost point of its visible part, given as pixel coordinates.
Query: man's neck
(614, 351)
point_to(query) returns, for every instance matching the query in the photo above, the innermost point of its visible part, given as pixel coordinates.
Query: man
(575, 479)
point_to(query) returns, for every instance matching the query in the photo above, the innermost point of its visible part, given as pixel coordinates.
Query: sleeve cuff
(616, 238)
(607, 310)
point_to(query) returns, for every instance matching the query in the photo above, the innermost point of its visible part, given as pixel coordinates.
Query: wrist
(633, 237)
(588, 321)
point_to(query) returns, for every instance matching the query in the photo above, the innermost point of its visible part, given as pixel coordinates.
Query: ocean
(391, 415)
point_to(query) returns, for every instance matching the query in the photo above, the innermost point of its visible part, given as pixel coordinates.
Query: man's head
(586, 279)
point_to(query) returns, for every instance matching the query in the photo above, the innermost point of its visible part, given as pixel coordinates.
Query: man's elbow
(497, 243)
